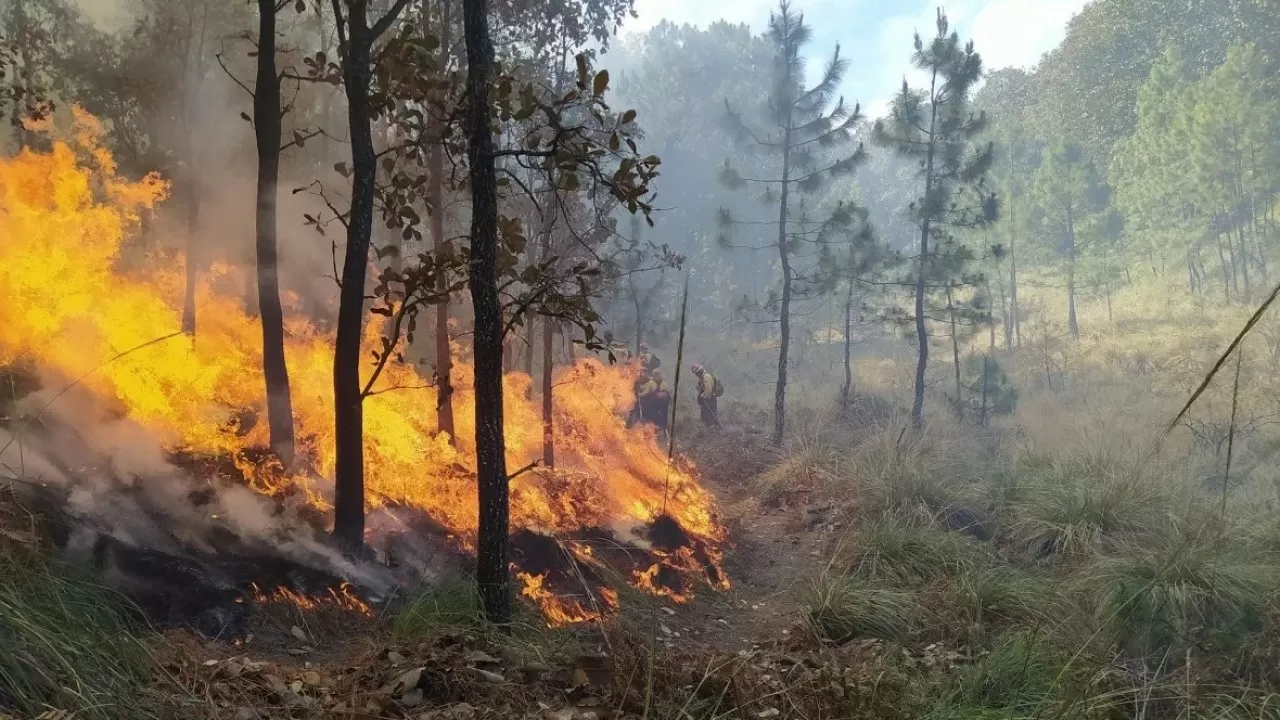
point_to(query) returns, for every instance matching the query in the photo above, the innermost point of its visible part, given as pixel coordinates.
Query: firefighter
(709, 391)
(648, 360)
(638, 389)
(656, 403)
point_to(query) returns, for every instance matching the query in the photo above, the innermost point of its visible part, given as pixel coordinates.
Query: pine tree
(935, 127)
(810, 138)
(1071, 200)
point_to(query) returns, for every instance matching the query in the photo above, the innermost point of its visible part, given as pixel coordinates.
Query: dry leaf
(407, 681)
(311, 677)
(578, 678)
(299, 633)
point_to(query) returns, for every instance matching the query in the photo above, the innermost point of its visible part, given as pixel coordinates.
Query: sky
(876, 35)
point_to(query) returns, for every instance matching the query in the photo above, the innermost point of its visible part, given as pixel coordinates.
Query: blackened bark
(267, 131)
(193, 222)
(491, 546)
(348, 502)
(357, 71)
(442, 245)
(548, 395)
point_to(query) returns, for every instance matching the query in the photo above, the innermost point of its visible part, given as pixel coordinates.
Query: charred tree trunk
(491, 546)
(267, 131)
(1244, 261)
(356, 39)
(548, 397)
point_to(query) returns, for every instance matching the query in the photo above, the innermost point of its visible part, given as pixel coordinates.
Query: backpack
(718, 390)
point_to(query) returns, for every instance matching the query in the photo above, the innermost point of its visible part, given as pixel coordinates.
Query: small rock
(669, 611)
(395, 658)
(768, 713)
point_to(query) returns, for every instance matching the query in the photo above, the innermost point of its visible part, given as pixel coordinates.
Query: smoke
(117, 480)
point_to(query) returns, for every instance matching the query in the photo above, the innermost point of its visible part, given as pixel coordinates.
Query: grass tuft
(843, 608)
(67, 643)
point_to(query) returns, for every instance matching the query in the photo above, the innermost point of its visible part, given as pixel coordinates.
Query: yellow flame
(77, 295)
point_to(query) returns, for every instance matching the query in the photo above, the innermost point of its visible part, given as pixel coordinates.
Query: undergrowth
(67, 643)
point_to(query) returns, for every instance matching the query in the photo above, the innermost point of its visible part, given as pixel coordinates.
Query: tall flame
(65, 217)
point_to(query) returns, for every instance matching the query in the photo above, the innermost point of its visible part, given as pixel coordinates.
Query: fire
(564, 611)
(342, 598)
(77, 296)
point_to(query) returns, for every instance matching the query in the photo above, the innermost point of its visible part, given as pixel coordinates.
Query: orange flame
(73, 301)
(342, 598)
(560, 610)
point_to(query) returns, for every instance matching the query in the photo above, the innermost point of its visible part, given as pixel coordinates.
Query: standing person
(657, 404)
(648, 360)
(638, 389)
(709, 391)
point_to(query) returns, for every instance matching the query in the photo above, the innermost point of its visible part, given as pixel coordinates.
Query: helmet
(697, 368)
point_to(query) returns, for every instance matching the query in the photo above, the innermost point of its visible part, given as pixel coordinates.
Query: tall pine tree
(813, 142)
(935, 127)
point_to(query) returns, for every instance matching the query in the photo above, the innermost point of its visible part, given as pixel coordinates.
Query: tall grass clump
(842, 608)
(1022, 676)
(894, 551)
(66, 643)
(449, 606)
(1072, 509)
(929, 474)
(1186, 591)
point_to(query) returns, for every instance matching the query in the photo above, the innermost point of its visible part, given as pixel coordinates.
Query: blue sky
(876, 34)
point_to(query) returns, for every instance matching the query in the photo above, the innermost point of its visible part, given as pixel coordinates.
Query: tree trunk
(193, 222)
(1110, 319)
(955, 353)
(1004, 312)
(784, 310)
(1072, 324)
(982, 418)
(442, 246)
(348, 502)
(846, 392)
(491, 473)
(922, 328)
(267, 132)
(548, 399)
(1222, 262)
(1244, 261)
(1013, 265)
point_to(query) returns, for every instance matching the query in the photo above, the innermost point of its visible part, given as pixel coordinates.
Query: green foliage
(991, 391)
(67, 643)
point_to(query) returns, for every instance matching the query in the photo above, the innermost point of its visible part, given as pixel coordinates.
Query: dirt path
(776, 552)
